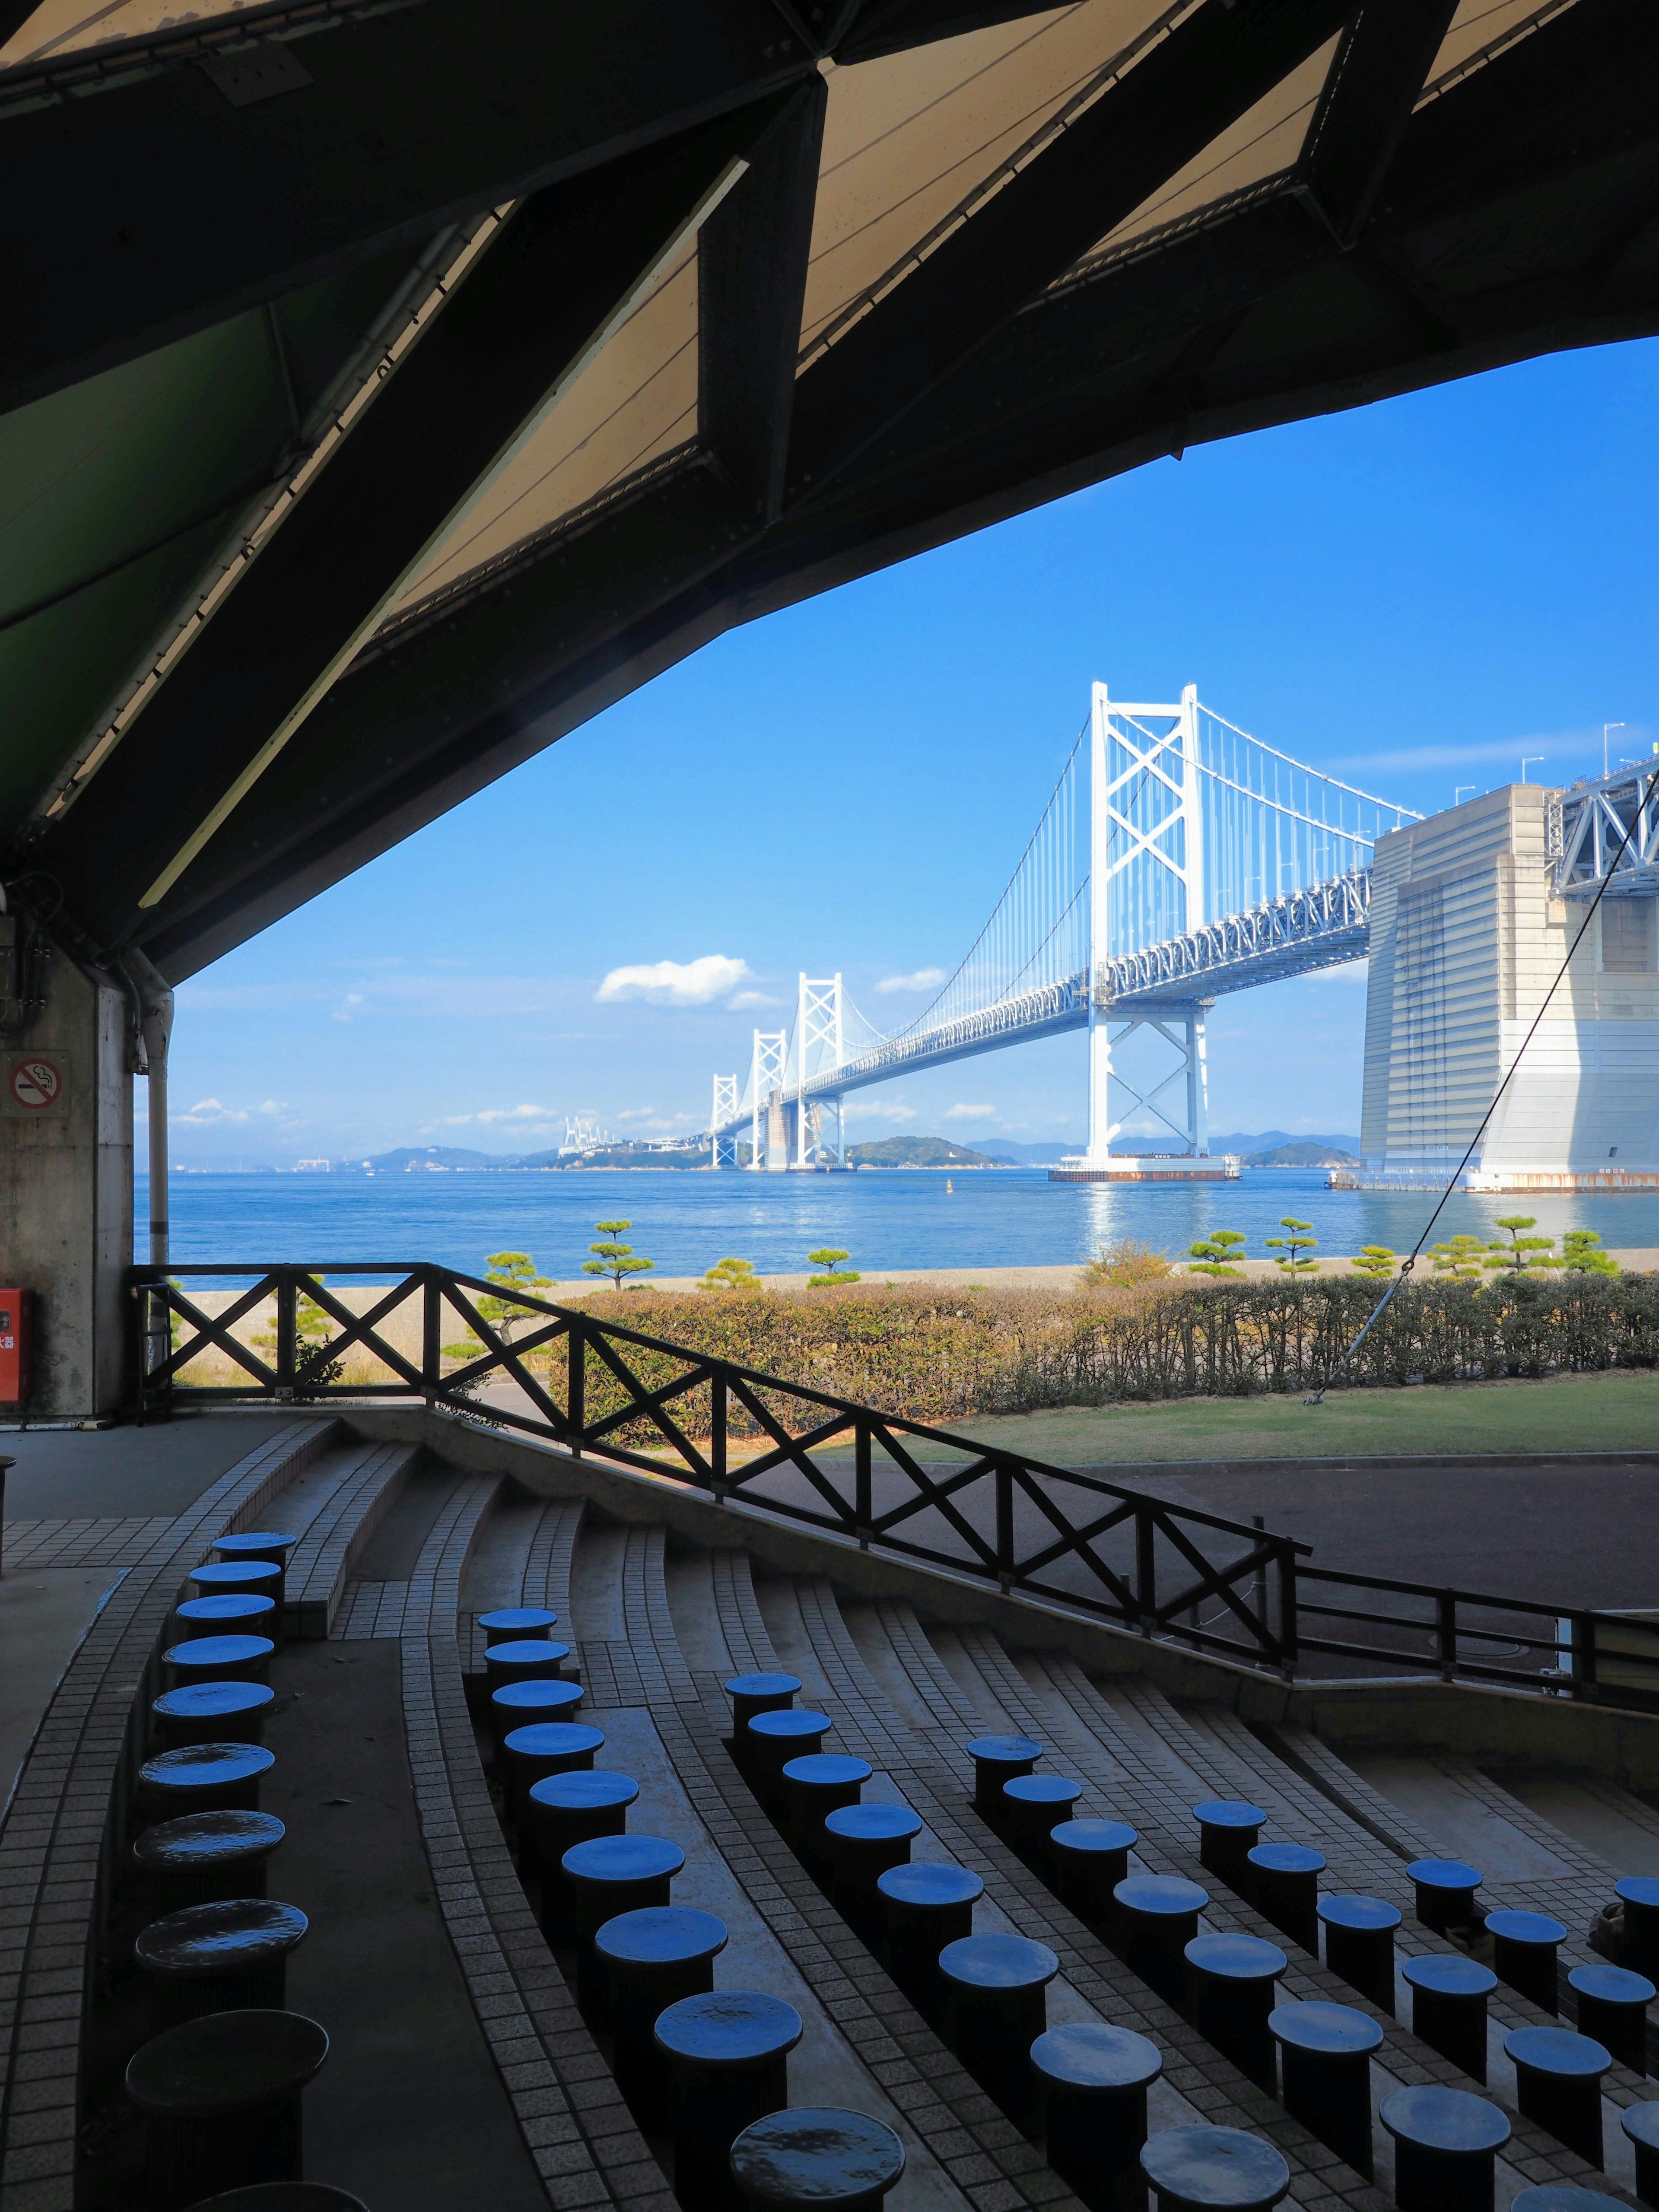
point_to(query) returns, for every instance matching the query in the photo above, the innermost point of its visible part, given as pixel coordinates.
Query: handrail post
(864, 1510)
(718, 1397)
(1004, 1509)
(575, 1394)
(431, 1332)
(1145, 1571)
(286, 1309)
(1584, 1655)
(1445, 1633)
(1290, 1630)
(1259, 1586)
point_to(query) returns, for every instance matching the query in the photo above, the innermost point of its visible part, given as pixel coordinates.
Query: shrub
(1124, 1264)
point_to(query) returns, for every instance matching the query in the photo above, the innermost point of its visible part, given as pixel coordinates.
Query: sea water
(683, 1220)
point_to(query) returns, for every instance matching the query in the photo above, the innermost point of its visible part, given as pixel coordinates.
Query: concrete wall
(66, 1193)
(1466, 940)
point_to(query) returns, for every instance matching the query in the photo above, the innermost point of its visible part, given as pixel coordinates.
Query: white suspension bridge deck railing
(1178, 858)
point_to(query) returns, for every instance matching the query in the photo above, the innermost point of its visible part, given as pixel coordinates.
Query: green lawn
(1577, 1412)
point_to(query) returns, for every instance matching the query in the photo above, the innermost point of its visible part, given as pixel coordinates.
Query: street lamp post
(1529, 760)
(1606, 726)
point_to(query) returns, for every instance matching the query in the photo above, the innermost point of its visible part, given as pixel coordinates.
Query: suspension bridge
(1178, 858)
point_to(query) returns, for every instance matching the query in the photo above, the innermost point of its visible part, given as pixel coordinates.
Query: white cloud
(755, 998)
(879, 1110)
(675, 982)
(540, 1114)
(923, 980)
(971, 1113)
(207, 1113)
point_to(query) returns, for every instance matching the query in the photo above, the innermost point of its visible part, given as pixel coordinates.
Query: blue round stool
(204, 1777)
(1232, 1982)
(728, 2066)
(282, 2196)
(202, 1856)
(534, 1751)
(208, 1712)
(925, 1904)
(1448, 2007)
(515, 1620)
(526, 1659)
(651, 1958)
(1204, 2169)
(243, 1578)
(565, 1809)
(1229, 1829)
(1557, 2083)
(751, 1694)
(997, 1759)
(607, 1876)
(863, 1841)
(1523, 1953)
(1325, 2061)
(1641, 2125)
(1158, 1915)
(1090, 1858)
(1445, 2143)
(1284, 1879)
(816, 2155)
(224, 1957)
(775, 1737)
(1639, 1895)
(1613, 2008)
(237, 1612)
(818, 1784)
(218, 1659)
(1093, 2080)
(1033, 1805)
(1559, 2196)
(518, 1705)
(1446, 1892)
(1359, 1945)
(995, 2007)
(222, 2097)
(273, 1544)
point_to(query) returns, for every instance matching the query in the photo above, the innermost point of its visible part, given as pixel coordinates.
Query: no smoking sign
(36, 1083)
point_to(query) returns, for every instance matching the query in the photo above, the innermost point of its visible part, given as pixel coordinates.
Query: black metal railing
(287, 1333)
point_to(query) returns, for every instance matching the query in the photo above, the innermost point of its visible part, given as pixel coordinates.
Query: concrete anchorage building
(1472, 912)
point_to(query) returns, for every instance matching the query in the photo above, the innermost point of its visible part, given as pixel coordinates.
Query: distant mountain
(616, 1155)
(918, 1152)
(1268, 1141)
(432, 1158)
(1305, 1152)
(1048, 1154)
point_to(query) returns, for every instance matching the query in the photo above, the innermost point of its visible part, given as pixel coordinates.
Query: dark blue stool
(1229, 1829)
(756, 1693)
(204, 1777)
(1033, 1805)
(208, 1712)
(651, 1958)
(225, 1957)
(1093, 2079)
(818, 1784)
(1284, 1879)
(222, 2098)
(1445, 2142)
(609, 1876)
(863, 1841)
(1559, 2196)
(272, 1544)
(1158, 1916)
(924, 1904)
(533, 1753)
(282, 2196)
(1641, 2125)
(526, 1659)
(816, 2155)
(207, 1855)
(1612, 2008)
(1448, 2007)
(1205, 2169)
(218, 1659)
(1639, 1895)
(243, 1578)
(1359, 1945)
(1523, 1954)
(1446, 1892)
(1557, 2083)
(1325, 2063)
(997, 1759)
(728, 2066)
(995, 2009)
(236, 1614)
(1232, 1979)
(519, 1705)
(517, 1620)
(774, 1738)
(565, 1809)
(1090, 1858)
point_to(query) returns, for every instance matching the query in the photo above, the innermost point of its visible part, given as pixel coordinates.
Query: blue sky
(1413, 595)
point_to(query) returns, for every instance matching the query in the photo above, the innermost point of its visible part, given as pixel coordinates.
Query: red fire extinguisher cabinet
(14, 1347)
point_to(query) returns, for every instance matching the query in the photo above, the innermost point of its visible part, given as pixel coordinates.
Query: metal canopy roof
(387, 387)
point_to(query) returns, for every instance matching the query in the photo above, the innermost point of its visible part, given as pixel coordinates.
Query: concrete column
(777, 1135)
(66, 1189)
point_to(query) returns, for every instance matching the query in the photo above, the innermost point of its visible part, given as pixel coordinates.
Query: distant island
(921, 1152)
(1304, 1152)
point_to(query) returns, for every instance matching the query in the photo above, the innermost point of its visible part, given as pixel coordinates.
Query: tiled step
(361, 1484)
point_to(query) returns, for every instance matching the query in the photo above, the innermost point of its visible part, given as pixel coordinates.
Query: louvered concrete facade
(1466, 940)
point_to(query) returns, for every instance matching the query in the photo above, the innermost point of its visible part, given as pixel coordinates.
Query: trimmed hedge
(934, 1356)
